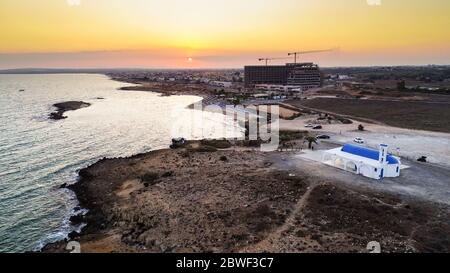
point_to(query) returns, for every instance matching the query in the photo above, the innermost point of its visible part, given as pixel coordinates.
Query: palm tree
(310, 140)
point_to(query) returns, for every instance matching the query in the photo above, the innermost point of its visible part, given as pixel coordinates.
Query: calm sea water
(38, 155)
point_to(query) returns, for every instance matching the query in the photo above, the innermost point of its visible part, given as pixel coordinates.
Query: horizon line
(197, 68)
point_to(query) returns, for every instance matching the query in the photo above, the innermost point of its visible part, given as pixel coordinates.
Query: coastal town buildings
(304, 75)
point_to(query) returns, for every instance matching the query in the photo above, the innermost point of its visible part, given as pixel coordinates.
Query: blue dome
(367, 153)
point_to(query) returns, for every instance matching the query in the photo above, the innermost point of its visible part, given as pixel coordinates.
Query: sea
(38, 155)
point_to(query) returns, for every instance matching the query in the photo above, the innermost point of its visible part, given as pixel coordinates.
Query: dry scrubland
(201, 199)
(214, 196)
(421, 115)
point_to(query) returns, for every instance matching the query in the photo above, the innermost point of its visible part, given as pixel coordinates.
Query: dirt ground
(420, 115)
(287, 113)
(168, 89)
(409, 144)
(241, 200)
(417, 180)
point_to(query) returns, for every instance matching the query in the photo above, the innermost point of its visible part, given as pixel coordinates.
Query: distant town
(290, 77)
(304, 85)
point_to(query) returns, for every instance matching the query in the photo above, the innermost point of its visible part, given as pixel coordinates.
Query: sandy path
(290, 221)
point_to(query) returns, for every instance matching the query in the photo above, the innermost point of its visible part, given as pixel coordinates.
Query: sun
(190, 59)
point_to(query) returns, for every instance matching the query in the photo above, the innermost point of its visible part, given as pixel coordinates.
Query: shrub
(219, 144)
(345, 121)
(150, 178)
(251, 143)
(168, 174)
(291, 135)
(205, 149)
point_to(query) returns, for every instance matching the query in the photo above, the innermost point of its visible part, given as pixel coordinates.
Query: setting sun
(219, 33)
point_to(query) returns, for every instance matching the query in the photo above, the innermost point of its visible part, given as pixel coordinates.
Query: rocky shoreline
(63, 107)
(213, 196)
(218, 196)
(166, 89)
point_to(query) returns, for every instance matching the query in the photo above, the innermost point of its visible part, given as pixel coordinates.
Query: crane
(270, 59)
(309, 52)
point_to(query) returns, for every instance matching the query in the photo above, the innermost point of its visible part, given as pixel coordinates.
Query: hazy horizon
(69, 69)
(221, 34)
(112, 59)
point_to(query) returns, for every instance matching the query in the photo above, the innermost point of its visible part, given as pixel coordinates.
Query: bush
(150, 178)
(251, 143)
(219, 144)
(291, 135)
(360, 127)
(205, 149)
(168, 174)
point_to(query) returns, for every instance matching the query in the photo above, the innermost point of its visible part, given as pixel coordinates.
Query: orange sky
(220, 33)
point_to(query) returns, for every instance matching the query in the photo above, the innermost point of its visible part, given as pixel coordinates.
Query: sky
(221, 33)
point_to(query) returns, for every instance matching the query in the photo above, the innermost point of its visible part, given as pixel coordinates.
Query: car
(422, 159)
(359, 140)
(309, 125)
(323, 137)
(317, 127)
(177, 143)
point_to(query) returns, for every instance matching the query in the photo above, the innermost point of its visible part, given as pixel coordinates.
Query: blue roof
(367, 153)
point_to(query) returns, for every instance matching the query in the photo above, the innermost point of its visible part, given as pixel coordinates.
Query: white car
(309, 125)
(359, 140)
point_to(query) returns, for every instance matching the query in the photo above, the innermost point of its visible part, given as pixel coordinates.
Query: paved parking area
(421, 180)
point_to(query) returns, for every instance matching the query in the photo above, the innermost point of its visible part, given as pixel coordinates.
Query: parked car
(359, 140)
(317, 127)
(422, 159)
(323, 137)
(177, 143)
(309, 125)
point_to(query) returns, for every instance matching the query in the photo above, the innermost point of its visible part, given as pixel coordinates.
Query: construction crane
(309, 52)
(270, 59)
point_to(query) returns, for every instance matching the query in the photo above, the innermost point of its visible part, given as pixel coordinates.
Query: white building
(364, 161)
(277, 87)
(221, 84)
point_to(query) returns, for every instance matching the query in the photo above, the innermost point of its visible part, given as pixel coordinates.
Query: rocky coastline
(63, 107)
(216, 196)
